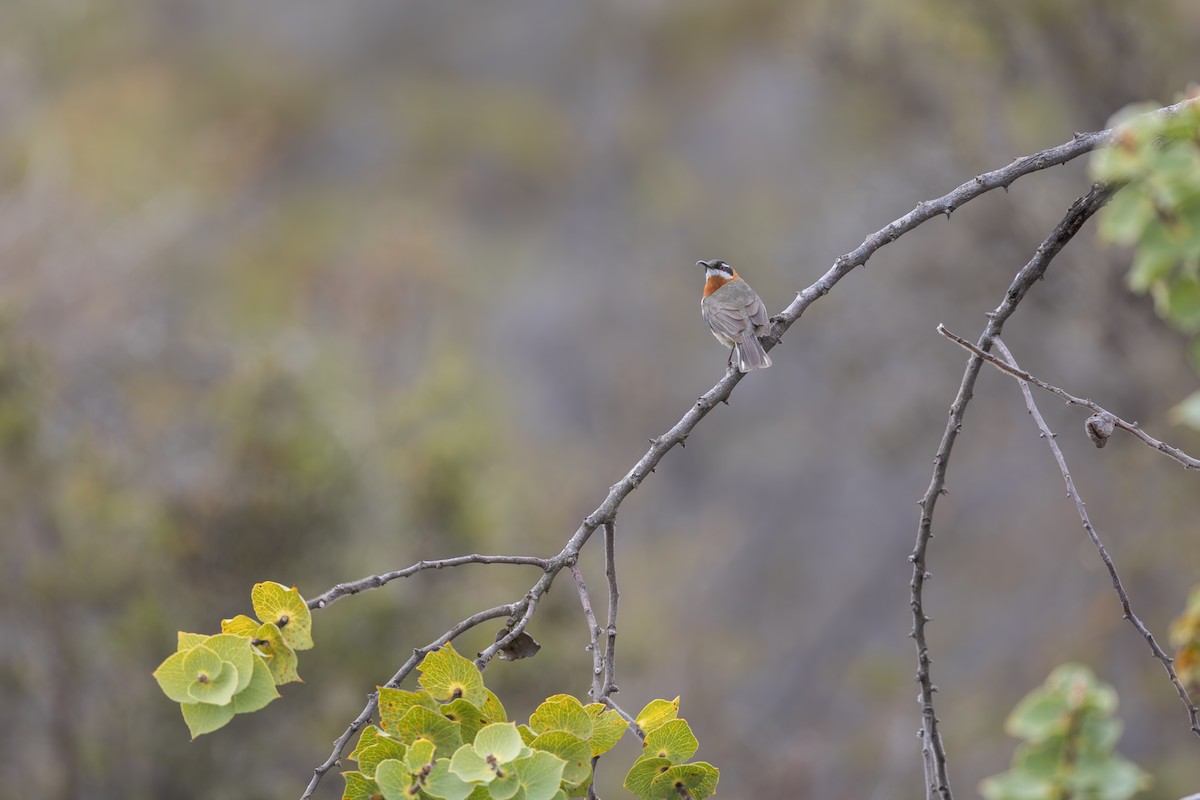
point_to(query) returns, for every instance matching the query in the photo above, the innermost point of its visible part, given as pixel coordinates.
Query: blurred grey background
(304, 291)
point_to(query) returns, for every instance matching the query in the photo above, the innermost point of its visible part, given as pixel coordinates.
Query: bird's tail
(749, 354)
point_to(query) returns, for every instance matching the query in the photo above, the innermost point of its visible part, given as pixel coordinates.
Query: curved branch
(937, 781)
(1073, 493)
(376, 581)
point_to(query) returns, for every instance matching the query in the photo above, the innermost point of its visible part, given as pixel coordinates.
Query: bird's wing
(757, 313)
(729, 321)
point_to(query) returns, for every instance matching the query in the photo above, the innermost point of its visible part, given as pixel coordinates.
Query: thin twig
(625, 715)
(609, 684)
(1021, 375)
(593, 634)
(375, 581)
(340, 743)
(937, 782)
(1073, 493)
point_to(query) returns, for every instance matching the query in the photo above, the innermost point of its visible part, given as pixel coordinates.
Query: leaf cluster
(236, 671)
(452, 740)
(1070, 738)
(1157, 156)
(663, 770)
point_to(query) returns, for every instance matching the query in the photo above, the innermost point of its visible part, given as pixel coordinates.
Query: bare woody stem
(937, 781)
(1021, 375)
(1080, 506)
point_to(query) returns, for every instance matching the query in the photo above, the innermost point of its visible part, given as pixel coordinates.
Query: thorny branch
(1073, 493)
(522, 611)
(1021, 375)
(937, 781)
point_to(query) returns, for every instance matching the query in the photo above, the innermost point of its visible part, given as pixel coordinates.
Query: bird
(735, 314)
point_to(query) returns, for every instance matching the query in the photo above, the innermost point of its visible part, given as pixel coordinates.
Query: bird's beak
(702, 264)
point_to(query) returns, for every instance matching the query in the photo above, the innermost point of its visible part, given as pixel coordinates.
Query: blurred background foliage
(304, 291)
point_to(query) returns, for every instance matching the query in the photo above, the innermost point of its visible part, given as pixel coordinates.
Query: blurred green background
(304, 291)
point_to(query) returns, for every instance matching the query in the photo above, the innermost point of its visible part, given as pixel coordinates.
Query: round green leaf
(642, 774)
(381, 750)
(395, 703)
(189, 640)
(562, 713)
(1016, 785)
(444, 785)
(657, 713)
(607, 727)
(213, 681)
(698, 778)
(505, 785)
(420, 754)
(492, 708)
(1038, 716)
(448, 676)
(673, 740)
(173, 679)
(576, 752)
(281, 659)
(469, 718)
(394, 779)
(234, 650)
(285, 608)
(539, 774)
(499, 740)
(359, 786)
(421, 723)
(241, 625)
(470, 766)
(259, 691)
(204, 718)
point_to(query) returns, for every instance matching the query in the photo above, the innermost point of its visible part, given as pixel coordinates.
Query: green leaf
(448, 676)
(642, 774)
(367, 738)
(1126, 216)
(562, 713)
(492, 708)
(1038, 716)
(394, 779)
(499, 740)
(576, 752)
(505, 786)
(202, 718)
(189, 640)
(421, 723)
(259, 692)
(673, 740)
(657, 713)
(213, 681)
(469, 718)
(234, 650)
(420, 754)
(698, 778)
(285, 608)
(241, 625)
(359, 786)
(395, 703)
(1181, 304)
(381, 750)
(1150, 265)
(444, 785)
(173, 678)
(1109, 778)
(527, 734)
(281, 659)
(1016, 785)
(539, 774)
(470, 766)
(607, 727)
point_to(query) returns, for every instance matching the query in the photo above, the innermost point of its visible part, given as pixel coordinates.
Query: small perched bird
(735, 315)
